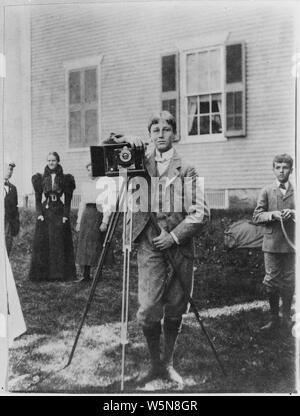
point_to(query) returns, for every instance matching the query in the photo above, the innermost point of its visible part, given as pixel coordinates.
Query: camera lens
(125, 155)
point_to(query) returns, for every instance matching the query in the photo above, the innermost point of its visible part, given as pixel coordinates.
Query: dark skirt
(90, 238)
(53, 253)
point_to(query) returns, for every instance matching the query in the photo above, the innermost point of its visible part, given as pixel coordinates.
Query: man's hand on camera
(163, 241)
(132, 140)
(103, 227)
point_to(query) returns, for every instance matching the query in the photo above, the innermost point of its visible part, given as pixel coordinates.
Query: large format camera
(112, 158)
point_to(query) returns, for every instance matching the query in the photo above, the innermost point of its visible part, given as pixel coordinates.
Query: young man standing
(12, 222)
(276, 206)
(161, 298)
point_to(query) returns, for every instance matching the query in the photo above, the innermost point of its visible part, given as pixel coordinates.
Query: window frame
(81, 64)
(173, 94)
(237, 87)
(203, 138)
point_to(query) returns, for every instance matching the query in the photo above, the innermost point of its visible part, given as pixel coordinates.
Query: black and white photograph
(148, 213)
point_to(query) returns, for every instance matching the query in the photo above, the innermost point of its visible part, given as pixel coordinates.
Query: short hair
(12, 164)
(55, 154)
(163, 115)
(283, 158)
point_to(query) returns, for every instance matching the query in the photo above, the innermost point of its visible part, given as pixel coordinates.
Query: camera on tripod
(111, 158)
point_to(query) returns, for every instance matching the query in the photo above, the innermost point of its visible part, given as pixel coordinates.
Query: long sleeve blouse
(89, 194)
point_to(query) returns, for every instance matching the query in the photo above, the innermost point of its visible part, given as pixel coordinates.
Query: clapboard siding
(132, 37)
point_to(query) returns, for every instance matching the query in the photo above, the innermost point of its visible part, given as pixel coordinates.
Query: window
(235, 90)
(204, 88)
(204, 92)
(83, 102)
(169, 85)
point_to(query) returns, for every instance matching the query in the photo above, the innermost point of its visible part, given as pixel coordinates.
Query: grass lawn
(52, 312)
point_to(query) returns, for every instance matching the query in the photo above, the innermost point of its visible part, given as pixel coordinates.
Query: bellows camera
(112, 159)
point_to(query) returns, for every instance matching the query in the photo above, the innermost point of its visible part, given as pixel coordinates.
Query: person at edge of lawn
(276, 204)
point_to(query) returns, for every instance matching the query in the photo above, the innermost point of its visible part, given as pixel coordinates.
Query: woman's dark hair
(55, 154)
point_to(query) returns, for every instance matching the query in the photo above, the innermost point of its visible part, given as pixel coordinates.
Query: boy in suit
(275, 204)
(11, 212)
(160, 295)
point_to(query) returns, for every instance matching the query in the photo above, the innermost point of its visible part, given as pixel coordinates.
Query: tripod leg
(127, 234)
(106, 245)
(124, 319)
(112, 226)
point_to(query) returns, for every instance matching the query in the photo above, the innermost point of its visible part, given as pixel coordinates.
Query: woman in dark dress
(53, 254)
(91, 225)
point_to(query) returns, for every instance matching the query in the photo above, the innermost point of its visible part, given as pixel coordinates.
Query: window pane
(230, 123)
(193, 126)
(215, 69)
(215, 60)
(204, 125)
(216, 126)
(91, 124)
(238, 109)
(230, 103)
(238, 123)
(192, 73)
(203, 71)
(169, 105)
(90, 85)
(234, 63)
(74, 87)
(192, 106)
(204, 104)
(215, 80)
(75, 129)
(168, 73)
(216, 103)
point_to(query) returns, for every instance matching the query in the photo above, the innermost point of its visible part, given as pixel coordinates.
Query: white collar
(287, 184)
(162, 157)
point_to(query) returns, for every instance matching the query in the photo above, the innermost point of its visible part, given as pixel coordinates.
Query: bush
(222, 277)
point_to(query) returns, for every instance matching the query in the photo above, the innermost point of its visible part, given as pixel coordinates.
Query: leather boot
(171, 330)
(274, 323)
(152, 335)
(287, 299)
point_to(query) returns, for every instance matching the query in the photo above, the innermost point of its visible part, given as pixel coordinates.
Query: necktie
(282, 186)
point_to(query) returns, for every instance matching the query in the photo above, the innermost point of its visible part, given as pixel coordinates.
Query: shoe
(152, 374)
(83, 280)
(172, 375)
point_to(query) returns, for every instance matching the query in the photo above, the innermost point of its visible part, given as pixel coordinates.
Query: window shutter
(169, 86)
(235, 90)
